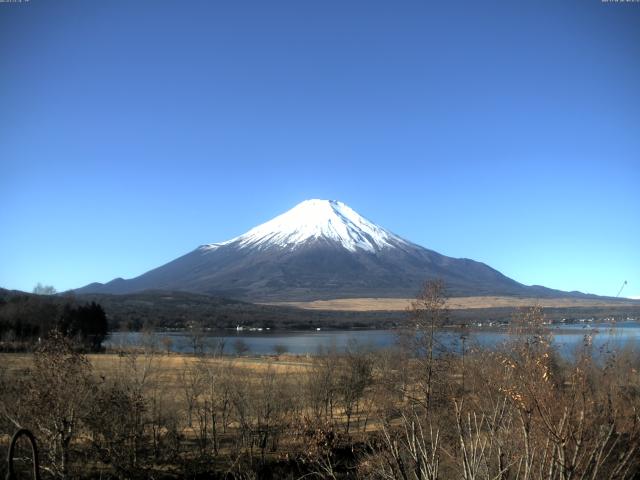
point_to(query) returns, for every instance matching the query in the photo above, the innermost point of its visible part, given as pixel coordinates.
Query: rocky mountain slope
(320, 249)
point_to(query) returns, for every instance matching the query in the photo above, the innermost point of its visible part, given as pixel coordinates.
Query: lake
(606, 336)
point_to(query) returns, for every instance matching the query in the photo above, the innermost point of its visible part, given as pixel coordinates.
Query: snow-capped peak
(317, 219)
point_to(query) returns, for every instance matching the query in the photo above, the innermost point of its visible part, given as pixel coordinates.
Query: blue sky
(507, 132)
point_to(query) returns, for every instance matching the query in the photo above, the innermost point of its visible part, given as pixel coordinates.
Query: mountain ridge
(319, 249)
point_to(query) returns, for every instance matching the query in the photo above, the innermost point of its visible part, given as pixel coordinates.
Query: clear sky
(132, 131)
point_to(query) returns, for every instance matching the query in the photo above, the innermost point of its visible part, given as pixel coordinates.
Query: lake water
(605, 336)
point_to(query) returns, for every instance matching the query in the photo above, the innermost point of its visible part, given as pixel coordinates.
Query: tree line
(27, 319)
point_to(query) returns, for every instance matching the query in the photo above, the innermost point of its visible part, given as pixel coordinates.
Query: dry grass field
(167, 368)
(456, 303)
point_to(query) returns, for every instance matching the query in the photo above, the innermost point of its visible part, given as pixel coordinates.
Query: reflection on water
(605, 337)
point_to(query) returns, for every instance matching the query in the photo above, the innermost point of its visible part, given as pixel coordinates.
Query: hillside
(321, 250)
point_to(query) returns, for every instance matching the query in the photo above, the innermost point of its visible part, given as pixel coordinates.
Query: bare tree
(411, 452)
(197, 335)
(321, 384)
(240, 347)
(41, 289)
(56, 396)
(216, 401)
(354, 376)
(280, 349)
(167, 343)
(191, 379)
(272, 406)
(428, 313)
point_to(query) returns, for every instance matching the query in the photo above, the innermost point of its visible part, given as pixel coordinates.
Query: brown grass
(457, 303)
(167, 368)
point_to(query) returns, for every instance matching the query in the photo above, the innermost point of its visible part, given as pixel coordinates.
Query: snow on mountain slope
(319, 249)
(317, 219)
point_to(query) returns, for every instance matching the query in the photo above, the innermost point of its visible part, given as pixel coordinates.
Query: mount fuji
(320, 249)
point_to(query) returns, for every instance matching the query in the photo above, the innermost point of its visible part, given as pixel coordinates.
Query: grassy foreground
(413, 412)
